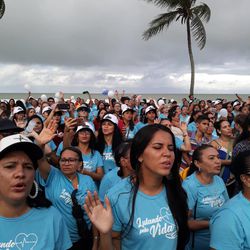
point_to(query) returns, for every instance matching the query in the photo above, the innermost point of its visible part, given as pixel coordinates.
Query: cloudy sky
(76, 45)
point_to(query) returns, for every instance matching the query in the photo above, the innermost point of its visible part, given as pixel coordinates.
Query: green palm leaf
(158, 24)
(2, 8)
(198, 31)
(202, 11)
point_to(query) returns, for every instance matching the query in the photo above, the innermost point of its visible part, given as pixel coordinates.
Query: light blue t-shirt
(230, 227)
(139, 125)
(108, 181)
(92, 161)
(178, 142)
(153, 224)
(58, 189)
(39, 228)
(207, 199)
(192, 127)
(108, 159)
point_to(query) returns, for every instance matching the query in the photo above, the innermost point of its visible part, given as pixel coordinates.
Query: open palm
(100, 216)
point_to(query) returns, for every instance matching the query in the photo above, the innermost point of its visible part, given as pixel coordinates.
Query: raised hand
(70, 123)
(100, 216)
(47, 134)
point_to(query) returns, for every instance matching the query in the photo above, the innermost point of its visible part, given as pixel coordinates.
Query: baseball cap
(86, 125)
(17, 109)
(46, 109)
(83, 107)
(236, 103)
(6, 125)
(126, 108)
(20, 142)
(216, 102)
(111, 117)
(149, 108)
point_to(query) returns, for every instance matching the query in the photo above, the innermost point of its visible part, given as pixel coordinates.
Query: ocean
(156, 96)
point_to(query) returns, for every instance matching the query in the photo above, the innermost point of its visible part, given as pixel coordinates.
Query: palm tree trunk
(191, 58)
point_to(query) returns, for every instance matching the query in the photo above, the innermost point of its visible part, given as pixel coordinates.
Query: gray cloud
(94, 44)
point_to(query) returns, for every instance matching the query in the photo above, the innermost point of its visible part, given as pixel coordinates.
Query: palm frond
(202, 11)
(169, 4)
(2, 8)
(158, 24)
(198, 31)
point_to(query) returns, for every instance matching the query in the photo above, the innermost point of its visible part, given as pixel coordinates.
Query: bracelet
(184, 135)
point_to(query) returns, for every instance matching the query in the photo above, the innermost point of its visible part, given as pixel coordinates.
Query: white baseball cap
(45, 109)
(236, 103)
(149, 108)
(19, 142)
(111, 117)
(86, 125)
(17, 110)
(126, 108)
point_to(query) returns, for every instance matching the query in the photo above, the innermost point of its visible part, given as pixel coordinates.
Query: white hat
(86, 125)
(216, 102)
(149, 108)
(17, 110)
(21, 143)
(111, 117)
(83, 107)
(236, 103)
(223, 113)
(45, 109)
(126, 108)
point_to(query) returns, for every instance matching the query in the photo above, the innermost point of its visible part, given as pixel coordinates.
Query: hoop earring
(36, 191)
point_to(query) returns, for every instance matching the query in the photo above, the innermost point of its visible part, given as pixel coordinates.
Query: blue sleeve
(59, 149)
(178, 142)
(117, 225)
(104, 187)
(226, 231)
(99, 159)
(63, 241)
(191, 194)
(52, 145)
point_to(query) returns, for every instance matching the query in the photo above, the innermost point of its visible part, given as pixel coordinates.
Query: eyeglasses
(68, 160)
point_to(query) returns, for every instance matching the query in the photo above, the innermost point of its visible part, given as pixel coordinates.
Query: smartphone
(63, 106)
(85, 92)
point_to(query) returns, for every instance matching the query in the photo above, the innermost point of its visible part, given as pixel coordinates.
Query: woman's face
(102, 113)
(108, 128)
(128, 115)
(226, 129)
(39, 126)
(151, 115)
(117, 107)
(84, 136)
(17, 175)
(158, 157)
(101, 106)
(210, 128)
(210, 162)
(31, 112)
(70, 163)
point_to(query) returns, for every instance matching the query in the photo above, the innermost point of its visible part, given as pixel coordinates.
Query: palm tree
(2, 8)
(188, 13)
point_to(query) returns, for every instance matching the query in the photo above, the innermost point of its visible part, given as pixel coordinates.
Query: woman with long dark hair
(109, 137)
(150, 208)
(206, 194)
(230, 226)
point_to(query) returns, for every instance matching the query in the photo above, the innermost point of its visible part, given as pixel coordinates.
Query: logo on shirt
(162, 224)
(66, 197)
(108, 156)
(22, 242)
(213, 201)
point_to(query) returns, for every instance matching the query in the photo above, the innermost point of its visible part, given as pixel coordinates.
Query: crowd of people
(124, 173)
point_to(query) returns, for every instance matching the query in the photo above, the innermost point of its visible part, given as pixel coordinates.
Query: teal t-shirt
(153, 225)
(58, 190)
(108, 159)
(207, 199)
(39, 228)
(230, 227)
